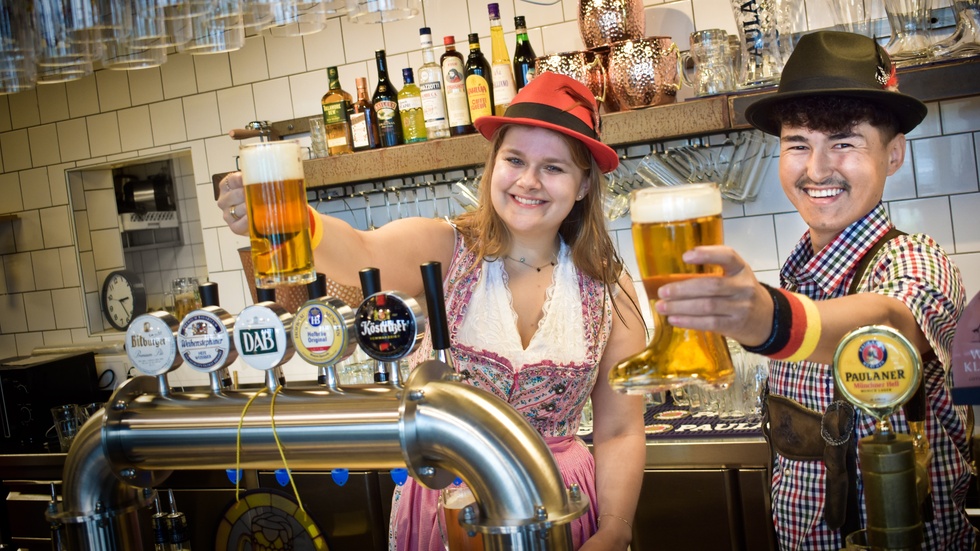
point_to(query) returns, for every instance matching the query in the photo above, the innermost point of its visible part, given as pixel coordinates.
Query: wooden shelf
(930, 82)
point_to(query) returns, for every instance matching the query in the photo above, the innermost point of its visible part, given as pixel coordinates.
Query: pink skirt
(414, 526)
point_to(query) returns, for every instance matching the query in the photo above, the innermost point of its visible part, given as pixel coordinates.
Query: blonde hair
(583, 230)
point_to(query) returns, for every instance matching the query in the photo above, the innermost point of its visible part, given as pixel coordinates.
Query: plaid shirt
(916, 271)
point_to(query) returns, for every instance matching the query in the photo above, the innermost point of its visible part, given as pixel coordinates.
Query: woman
(539, 304)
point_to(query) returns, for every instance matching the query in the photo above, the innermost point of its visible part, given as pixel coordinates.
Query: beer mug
(278, 222)
(707, 67)
(667, 222)
(756, 22)
(452, 500)
(186, 296)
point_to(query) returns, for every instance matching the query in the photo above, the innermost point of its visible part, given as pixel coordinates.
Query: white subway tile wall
(51, 262)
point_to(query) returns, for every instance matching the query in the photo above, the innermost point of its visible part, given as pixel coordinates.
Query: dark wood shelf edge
(698, 117)
(620, 129)
(941, 80)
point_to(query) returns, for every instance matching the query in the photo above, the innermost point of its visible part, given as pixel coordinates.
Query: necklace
(521, 260)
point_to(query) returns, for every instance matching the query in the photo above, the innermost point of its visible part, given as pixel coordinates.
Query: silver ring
(234, 215)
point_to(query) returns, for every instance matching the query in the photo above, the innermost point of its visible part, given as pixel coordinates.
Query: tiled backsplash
(191, 102)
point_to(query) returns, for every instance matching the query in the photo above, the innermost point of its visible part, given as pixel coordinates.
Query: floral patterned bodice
(550, 380)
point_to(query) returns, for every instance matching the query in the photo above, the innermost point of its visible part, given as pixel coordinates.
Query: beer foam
(270, 162)
(675, 203)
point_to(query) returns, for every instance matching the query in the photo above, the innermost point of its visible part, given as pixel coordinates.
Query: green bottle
(410, 107)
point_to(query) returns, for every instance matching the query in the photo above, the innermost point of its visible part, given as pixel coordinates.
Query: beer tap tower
(433, 425)
(877, 369)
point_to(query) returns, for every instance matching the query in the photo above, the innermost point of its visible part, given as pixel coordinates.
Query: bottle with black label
(385, 100)
(454, 78)
(479, 81)
(523, 55)
(363, 121)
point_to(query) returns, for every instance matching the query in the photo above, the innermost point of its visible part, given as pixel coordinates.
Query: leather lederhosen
(799, 433)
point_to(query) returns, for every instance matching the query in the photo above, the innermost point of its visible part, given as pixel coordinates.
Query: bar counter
(687, 482)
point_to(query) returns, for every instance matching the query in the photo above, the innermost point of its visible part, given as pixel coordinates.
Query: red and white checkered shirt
(915, 270)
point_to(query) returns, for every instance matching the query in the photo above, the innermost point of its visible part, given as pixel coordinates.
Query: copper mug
(609, 104)
(607, 21)
(644, 72)
(584, 66)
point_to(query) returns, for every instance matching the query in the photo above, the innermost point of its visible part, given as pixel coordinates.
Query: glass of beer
(667, 222)
(452, 500)
(278, 222)
(187, 297)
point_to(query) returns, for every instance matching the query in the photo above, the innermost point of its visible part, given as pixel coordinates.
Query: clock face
(123, 298)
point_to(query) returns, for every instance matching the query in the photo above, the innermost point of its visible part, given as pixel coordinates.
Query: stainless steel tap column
(434, 425)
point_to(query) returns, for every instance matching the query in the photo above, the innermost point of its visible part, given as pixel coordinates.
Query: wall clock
(123, 298)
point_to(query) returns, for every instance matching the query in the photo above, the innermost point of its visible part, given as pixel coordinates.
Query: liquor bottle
(433, 96)
(385, 100)
(454, 76)
(335, 104)
(503, 76)
(363, 121)
(410, 109)
(479, 82)
(523, 55)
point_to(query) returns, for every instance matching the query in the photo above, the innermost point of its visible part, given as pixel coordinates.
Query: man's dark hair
(834, 114)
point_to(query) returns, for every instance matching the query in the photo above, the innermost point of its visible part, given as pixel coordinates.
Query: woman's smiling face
(535, 180)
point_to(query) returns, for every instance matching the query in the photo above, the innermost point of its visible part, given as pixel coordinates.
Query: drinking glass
(710, 57)
(750, 158)
(667, 222)
(186, 296)
(911, 42)
(853, 16)
(67, 420)
(318, 137)
(17, 64)
(278, 221)
(452, 500)
(756, 22)
(965, 40)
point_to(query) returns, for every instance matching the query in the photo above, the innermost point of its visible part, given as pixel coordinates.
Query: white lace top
(491, 322)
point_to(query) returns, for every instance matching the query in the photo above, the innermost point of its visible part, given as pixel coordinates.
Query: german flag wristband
(316, 228)
(795, 327)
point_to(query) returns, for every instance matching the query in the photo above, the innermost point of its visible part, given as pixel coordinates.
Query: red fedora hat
(555, 102)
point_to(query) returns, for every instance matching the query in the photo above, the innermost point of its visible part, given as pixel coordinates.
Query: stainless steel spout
(434, 425)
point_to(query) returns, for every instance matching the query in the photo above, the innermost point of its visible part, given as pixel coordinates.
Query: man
(841, 123)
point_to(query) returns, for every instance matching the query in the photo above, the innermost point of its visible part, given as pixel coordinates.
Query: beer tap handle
(370, 281)
(318, 287)
(436, 305)
(221, 378)
(209, 293)
(371, 284)
(265, 295)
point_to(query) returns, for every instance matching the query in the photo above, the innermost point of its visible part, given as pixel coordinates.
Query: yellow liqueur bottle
(410, 108)
(336, 104)
(504, 89)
